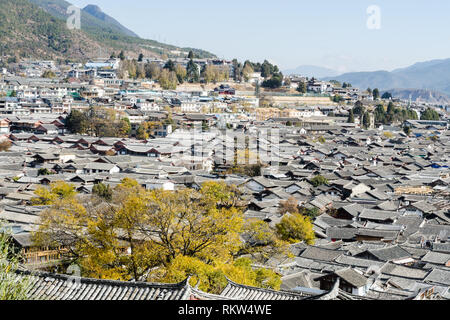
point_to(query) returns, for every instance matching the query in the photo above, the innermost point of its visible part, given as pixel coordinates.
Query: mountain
(96, 12)
(99, 35)
(92, 18)
(29, 31)
(420, 95)
(312, 71)
(432, 75)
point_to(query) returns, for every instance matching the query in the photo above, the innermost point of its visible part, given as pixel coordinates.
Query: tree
(351, 117)
(192, 71)
(5, 145)
(122, 55)
(191, 55)
(358, 109)
(247, 71)
(288, 206)
(168, 80)
(124, 128)
(321, 140)
(153, 235)
(318, 181)
(386, 96)
(152, 71)
(103, 191)
(388, 134)
(44, 172)
(302, 88)
(181, 73)
(391, 108)
(407, 130)
(296, 227)
(12, 287)
(430, 114)
(376, 94)
(142, 133)
(58, 190)
(262, 242)
(170, 65)
(337, 98)
(48, 74)
(77, 122)
(141, 57)
(366, 120)
(276, 81)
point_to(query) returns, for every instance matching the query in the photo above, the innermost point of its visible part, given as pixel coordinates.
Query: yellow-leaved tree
(155, 235)
(295, 228)
(56, 191)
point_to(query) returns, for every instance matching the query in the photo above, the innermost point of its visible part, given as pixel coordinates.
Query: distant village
(380, 214)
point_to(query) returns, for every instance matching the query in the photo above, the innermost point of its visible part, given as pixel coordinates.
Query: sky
(342, 35)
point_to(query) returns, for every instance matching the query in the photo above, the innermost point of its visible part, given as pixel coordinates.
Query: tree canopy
(430, 114)
(158, 235)
(11, 286)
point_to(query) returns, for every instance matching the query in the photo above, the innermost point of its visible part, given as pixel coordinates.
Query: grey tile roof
(316, 253)
(241, 292)
(390, 253)
(439, 276)
(436, 258)
(46, 286)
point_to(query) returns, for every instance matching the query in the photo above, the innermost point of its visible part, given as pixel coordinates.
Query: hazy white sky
(326, 33)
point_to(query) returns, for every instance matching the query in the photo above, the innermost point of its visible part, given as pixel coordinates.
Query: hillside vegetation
(109, 33)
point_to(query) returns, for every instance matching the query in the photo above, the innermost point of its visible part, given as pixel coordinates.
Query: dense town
(368, 172)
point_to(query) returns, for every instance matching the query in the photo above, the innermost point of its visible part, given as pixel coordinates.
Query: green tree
(103, 191)
(407, 130)
(366, 120)
(122, 55)
(430, 114)
(318, 181)
(141, 57)
(12, 287)
(44, 172)
(302, 88)
(170, 65)
(276, 81)
(358, 109)
(337, 98)
(351, 117)
(386, 96)
(192, 71)
(376, 94)
(391, 108)
(77, 122)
